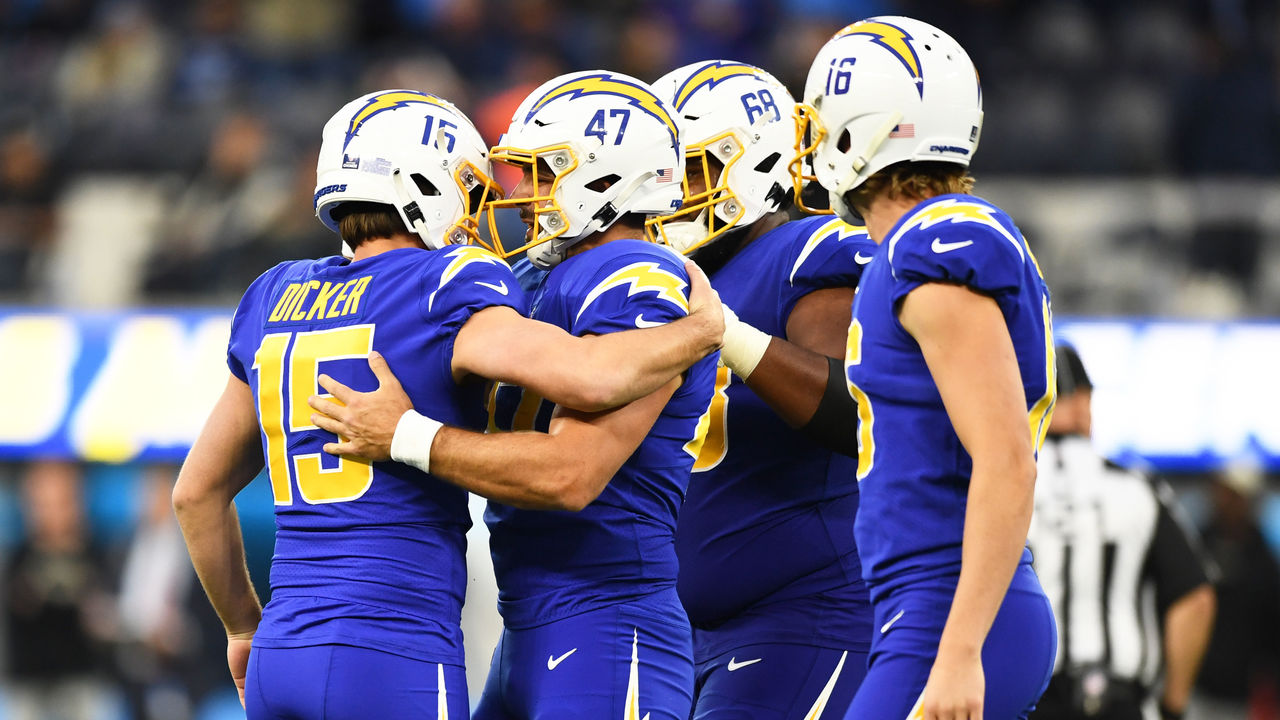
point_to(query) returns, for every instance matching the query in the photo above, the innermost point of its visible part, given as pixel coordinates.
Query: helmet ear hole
(844, 142)
(767, 164)
(601, 184)
(425, 186)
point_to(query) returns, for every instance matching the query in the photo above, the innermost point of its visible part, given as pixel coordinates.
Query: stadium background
(156, 157)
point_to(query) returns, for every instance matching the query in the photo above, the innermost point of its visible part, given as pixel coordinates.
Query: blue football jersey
(553, 564)
(366, 554)
(914, 471)
(767, 516)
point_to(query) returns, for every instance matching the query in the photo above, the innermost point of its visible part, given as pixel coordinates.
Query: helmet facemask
(809, 133)
(714, 208)
(540, 210)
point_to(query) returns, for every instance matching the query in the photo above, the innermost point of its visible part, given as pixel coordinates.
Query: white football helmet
(886, 90)
(742, 117)
(412, 150)
(613, 148)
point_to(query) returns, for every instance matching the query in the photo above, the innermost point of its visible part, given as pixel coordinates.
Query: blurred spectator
(647, 45)
(293, 232)
(27, 192)
(158, 637)
(212, 63)
(58, 608)
(122, 63)
(1241, 672)
(227, 206)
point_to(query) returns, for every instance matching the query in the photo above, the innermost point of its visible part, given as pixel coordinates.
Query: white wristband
(743, 345)
(411, 443)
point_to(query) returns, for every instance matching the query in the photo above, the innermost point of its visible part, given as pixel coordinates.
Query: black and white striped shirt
(1112, 557)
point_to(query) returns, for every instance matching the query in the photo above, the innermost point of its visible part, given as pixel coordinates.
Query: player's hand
(365, 423)
(238, 645)
(704, 304)
(956, 687)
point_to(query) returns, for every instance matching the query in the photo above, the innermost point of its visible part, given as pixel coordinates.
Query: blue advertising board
(137, 385)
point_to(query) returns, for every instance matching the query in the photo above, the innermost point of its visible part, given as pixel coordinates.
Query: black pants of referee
(1095, 697)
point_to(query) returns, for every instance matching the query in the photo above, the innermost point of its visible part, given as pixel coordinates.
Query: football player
(950, 360)
(769, 572)
(369, 569)
(583, 505)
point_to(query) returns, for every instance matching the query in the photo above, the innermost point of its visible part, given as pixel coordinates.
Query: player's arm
(969, 352)
(802, 378)
(225, 457)
(593, 372)
(563, 469)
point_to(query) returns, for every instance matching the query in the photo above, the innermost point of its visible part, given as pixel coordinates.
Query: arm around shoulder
(565, 468)
(590, 373)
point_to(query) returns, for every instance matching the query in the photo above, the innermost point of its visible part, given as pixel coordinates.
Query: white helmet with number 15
(410, 150)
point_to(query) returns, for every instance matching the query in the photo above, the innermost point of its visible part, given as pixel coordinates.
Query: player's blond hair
(918, 180)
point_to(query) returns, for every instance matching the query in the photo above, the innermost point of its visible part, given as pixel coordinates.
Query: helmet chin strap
(682, 236)
(543, 256)
(411, 212)
(856, 176)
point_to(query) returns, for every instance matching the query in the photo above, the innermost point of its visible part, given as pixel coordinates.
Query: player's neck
(714, 255)
(762, 226)
(885, 212)
(617, 231)
(377, 246)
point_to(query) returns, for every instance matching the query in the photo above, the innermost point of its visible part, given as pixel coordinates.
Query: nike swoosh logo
(642, 323)
(941, 247)
(861, 259)
(552, 662)
(735, 665)
(885, 628)
(500, 288)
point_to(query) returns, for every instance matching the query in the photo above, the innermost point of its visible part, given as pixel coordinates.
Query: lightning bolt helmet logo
(606, 84)
(710, 75)
(891, 38)
(389, 100)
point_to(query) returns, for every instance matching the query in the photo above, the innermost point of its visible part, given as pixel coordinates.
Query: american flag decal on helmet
(903, 130)
(665, 175)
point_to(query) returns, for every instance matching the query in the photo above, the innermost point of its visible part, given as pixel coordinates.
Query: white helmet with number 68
(739, 129)
(887, 90)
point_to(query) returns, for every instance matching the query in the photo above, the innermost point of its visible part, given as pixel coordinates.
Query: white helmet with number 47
(414, 151)
(739, 131)
(882, 91)
(609, 147)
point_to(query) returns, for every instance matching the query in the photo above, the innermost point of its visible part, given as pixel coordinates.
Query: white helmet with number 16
(887, 90)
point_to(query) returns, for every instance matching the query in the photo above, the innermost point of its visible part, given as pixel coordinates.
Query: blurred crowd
(102, 617)
(163, 152)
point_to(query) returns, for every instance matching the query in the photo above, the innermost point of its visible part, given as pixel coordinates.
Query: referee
(1128, 581)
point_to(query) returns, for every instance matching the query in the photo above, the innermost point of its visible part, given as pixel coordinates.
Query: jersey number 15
(283, 410)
